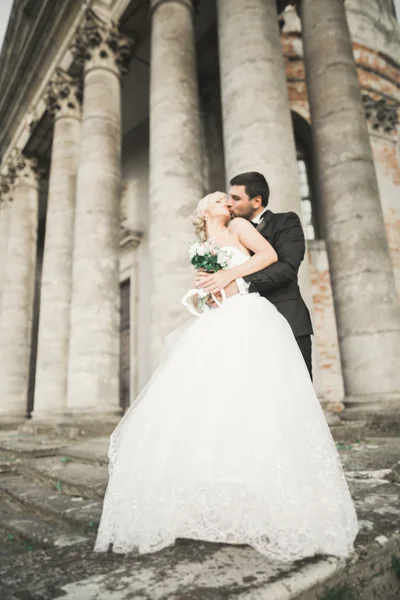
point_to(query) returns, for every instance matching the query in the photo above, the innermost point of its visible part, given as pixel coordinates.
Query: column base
(89, 424)
(372, 402)
(11, 421)
(381, 414)
(71, 425)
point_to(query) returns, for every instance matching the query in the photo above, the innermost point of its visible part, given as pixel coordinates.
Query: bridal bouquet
(211, 258)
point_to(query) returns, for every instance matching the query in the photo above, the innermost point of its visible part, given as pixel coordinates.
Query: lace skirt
(228, 443)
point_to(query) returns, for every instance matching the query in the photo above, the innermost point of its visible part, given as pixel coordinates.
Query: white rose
(222, 258)
(200, 250)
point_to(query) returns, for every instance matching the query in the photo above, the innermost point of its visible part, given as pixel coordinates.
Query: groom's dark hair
(255, 184)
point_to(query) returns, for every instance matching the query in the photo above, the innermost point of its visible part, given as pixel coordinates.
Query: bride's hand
(213, 282)
(196, 276)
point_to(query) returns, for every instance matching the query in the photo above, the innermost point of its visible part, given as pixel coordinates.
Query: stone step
(92, 451)
(72, 428)
(378, 423)
(29, 446)
(349, 431)
(77, 511)
(70, 476)
(35, 530)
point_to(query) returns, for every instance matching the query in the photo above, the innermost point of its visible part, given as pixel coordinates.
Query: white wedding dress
(228, 443)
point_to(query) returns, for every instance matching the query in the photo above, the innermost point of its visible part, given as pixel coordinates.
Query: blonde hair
(198, 217)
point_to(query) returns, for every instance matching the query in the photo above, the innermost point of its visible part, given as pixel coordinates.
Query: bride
(228, 442)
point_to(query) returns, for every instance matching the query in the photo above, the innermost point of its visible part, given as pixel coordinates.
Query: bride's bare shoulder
(238, 224)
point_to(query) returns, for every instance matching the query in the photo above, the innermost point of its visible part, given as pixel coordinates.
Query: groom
(248, 198)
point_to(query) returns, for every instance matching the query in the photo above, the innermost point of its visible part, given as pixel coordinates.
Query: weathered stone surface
(70, 428)
(56, 284)
(18, 287)
(257, 126)
(71, 510)
(324, 323)
(30, 447)
(382, 423)
(348, 432)
(34, 529)
(192, 570)
(74, 478)
(5, 219)
(175, 163)
(366, 303)
(93, 363)
(93, 450)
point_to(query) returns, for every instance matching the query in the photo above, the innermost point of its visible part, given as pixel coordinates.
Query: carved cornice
(22, 170)
(381, 114)
(129, 238)
(64, 96)
(100, 44)
(32, 38)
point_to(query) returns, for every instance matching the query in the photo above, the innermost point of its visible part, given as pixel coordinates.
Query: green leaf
(337, 593)
(28, 546)
(65, 459)
(10, 537)
(11, 459)
(396, 564)
(59, 485)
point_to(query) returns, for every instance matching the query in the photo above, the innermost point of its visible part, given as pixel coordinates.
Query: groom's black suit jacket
(278, 282)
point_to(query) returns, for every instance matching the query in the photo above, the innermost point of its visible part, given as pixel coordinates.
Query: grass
(396, 564)
(337, 593)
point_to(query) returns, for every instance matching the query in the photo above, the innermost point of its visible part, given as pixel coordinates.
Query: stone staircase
(51, 491)
(51, 488)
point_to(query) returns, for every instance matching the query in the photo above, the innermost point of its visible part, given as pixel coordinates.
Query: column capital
(192, 5)
(100, 44)
(63, 95)
(22, 170)
(381, 114)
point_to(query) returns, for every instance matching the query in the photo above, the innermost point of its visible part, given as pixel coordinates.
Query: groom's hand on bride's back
(230, 290)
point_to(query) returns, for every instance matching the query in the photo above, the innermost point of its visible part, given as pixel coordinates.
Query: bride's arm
(248, 236)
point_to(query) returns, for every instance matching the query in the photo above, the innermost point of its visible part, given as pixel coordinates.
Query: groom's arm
(290, 248)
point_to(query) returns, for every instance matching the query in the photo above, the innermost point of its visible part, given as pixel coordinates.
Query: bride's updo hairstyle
(199, 219)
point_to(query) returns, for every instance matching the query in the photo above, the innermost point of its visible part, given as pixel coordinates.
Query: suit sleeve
(290, 248)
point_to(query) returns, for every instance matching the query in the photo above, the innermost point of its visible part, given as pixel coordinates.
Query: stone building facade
(118, 115)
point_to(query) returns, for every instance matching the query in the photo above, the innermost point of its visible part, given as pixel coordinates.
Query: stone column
(366, 305)
(5, 219)
(258, 133)
(18, 288)
(93, 367)
(63, 101)
(175, 161)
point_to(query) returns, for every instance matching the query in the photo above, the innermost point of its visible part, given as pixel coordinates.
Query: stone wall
(376, 44)
(376, 37)
(135, 169)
